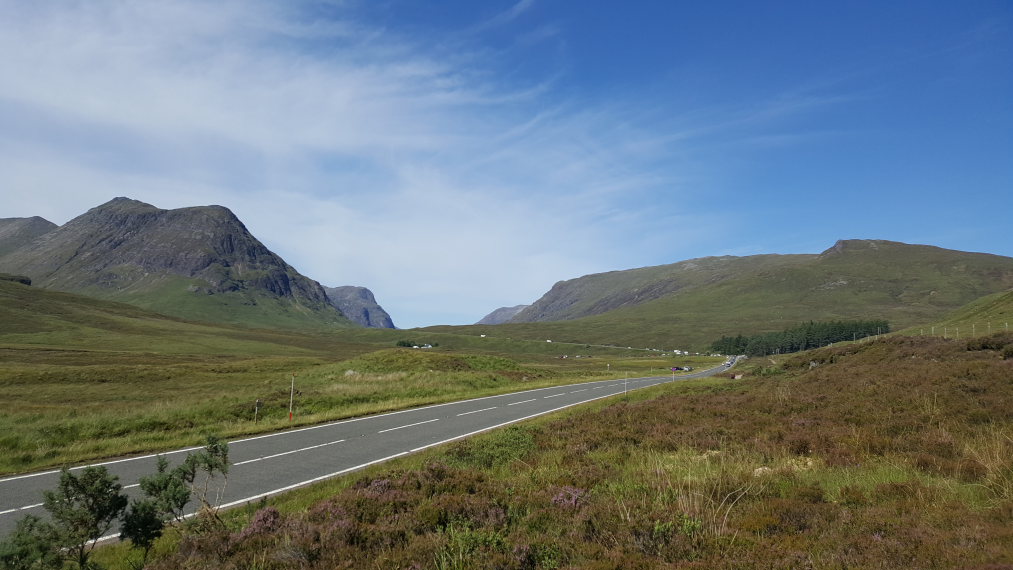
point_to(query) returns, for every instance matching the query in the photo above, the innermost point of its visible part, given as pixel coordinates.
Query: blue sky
(456, 157)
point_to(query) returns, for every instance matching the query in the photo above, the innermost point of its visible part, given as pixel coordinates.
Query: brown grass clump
(891, 454)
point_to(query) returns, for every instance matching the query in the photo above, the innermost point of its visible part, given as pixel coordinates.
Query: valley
(114, 355)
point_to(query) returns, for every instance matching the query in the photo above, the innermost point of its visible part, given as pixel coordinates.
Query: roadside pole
(291, 398)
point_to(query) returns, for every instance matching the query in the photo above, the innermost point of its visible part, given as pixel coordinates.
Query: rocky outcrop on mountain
(199, 263)
(359, 305)
(16, 233)
(501, 315)
(24, 280)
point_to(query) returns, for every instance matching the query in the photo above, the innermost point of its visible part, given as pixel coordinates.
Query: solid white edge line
(700, 374)
(409, 425)
(289, 452)
(477, 411)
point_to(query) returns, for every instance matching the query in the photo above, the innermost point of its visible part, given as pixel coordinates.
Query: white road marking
(328, 425)
(575, 391)
(8, 511)
(554, 395)
(288, 452)
(409, 425)
(477, 411)
(389, 457)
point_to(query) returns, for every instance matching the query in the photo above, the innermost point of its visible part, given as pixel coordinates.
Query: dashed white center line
(477, 411)
(554, 395)
(288, 452)
(522, 402)
(8, 511)
(575, 391)
(409, 425)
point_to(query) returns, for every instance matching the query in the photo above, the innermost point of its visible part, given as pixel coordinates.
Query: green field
(83, 379)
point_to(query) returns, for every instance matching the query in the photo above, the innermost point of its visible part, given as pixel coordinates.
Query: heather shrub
(264, 521)
(997, 341)
(888, 454)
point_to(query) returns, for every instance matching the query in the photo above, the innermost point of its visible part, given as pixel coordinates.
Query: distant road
(274, 463)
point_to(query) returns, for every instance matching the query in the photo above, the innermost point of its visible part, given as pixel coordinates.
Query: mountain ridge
(198, 262)
(691, 303)
(501, 315)
(359, 304)
(601, 293)
(18, 232)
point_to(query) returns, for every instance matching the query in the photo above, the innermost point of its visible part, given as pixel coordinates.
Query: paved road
(277, 462)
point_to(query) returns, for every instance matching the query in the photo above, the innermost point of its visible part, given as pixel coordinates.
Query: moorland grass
(896, 453)
(83, 378)
(86, 405)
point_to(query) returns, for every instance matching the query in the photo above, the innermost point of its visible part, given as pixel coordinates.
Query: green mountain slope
(690, 304)
(34, 319)
(195, 263)
(989, 314)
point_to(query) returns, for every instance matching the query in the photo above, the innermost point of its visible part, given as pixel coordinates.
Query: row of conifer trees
(802, 337)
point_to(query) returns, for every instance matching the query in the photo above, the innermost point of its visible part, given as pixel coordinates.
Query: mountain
(197, 263)
(603, 292)
(19, 232)
(691, 303)
(501, 315)
(359, 305)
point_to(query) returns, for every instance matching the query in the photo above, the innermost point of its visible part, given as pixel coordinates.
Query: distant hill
(19, 232)
(691, 303)
(359, 305)
(501, 315)
(197, 263)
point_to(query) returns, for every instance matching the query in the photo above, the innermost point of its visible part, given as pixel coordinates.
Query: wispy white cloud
(505, 17)
(361, 156)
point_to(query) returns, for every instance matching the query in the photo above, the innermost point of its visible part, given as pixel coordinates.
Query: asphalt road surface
(274, 463)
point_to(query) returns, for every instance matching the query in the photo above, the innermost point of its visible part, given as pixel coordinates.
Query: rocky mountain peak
(359, 305)
(169, 260)
(19, 232)
(855, 245)
(501, 315)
